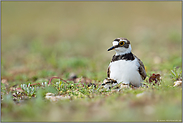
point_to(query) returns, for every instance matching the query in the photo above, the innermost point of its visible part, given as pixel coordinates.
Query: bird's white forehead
(124, 40)
(116, 42)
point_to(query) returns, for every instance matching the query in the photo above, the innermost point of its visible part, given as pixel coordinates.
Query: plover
(125, 67)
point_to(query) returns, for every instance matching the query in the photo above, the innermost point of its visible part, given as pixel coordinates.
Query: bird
(125, 67)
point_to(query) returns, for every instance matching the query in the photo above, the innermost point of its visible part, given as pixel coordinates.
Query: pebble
(125, 86)
(51, 97)
(140, 95)
(49, 94)
(177, 83)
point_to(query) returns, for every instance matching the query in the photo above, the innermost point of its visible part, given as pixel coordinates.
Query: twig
(57, 78)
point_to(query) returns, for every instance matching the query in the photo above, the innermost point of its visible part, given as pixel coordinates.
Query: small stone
(48, 97)
(140, 95)
(72, 76)
(125, 85)
(53, 98)
(49, 94)
(177, 83)
(56, 98)
(62, 97)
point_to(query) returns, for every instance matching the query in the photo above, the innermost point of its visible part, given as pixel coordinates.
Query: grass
(59, 38)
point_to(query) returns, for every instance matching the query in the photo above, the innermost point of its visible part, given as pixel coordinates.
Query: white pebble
(49, 94)
(177, 83)
(140, 95)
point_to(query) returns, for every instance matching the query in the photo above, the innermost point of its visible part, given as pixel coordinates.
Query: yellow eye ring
(121, 43)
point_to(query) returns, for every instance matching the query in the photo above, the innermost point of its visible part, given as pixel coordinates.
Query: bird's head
(121, 46)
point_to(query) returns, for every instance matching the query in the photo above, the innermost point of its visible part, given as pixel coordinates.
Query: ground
(45, 39)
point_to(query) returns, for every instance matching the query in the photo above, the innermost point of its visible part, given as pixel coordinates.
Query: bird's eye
(121, 43)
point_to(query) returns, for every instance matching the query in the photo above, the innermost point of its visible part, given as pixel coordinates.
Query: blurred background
(42, 39)
(45, 39)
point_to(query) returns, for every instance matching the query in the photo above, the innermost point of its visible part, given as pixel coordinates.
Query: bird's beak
(113, 47)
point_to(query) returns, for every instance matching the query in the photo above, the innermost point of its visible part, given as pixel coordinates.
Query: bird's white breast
(125, 71)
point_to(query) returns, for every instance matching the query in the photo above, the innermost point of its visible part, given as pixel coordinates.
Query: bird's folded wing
(141, 69)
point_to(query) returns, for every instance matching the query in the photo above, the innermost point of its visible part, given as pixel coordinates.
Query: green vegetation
(41, 40)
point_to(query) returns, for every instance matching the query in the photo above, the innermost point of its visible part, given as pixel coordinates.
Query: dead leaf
(155, 78)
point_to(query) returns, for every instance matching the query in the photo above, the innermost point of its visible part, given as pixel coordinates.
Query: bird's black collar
(128, 56)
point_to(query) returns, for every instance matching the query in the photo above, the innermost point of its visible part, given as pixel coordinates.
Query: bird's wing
(141, 68)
